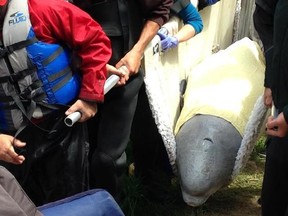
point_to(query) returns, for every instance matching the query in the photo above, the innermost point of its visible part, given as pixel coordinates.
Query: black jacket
(271, 23)
(122, 20)
(267, 5)
(279, 84)
(264, 25)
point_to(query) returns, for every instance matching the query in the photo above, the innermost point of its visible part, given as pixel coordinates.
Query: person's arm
(156, 10)
(277, 126)
(193, 23)
(132, 60)
(59, 21)
(157, 13)
(7, 149)
(263, 22)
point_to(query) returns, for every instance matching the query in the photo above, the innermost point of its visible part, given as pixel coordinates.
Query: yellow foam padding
(226, 84)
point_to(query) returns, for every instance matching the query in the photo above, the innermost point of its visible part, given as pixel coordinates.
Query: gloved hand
(167, 41)
(163, 30)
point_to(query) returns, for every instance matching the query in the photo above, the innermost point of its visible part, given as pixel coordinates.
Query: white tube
(113, 79)
(109, 83)
(72, 118)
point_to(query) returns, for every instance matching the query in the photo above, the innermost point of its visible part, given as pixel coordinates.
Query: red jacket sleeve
(57, 21)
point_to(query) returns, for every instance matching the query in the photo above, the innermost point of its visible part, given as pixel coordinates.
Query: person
(7, 150)
(271, 23)
(192, 20)
(130, 25)
(264, 27)
(150, 157)
(14, 200)
(205, 3)
(40, 41)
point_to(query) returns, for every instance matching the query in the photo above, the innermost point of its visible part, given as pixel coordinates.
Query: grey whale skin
(206, 148)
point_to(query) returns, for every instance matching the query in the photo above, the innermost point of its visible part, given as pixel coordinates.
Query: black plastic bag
(56, 164)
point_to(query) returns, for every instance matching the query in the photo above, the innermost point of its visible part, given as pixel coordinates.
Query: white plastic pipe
(72, 118)
(109, 83)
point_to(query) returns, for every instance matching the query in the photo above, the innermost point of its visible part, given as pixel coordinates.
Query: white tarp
(164, 72)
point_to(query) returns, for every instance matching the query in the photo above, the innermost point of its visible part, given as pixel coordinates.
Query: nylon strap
(16, 46)
(18, 76)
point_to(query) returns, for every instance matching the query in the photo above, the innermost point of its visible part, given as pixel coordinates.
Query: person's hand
(122, 72)
(268, 101)
(87, 109)
(167, 41)
(163, 32)
(131, 62)
(7, 149)
(277, 126)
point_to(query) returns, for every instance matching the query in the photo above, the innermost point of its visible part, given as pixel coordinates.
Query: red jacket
(57, 21)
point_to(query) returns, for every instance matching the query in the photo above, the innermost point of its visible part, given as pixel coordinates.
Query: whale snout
(206, 148)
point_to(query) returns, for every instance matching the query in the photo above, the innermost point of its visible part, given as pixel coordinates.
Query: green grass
(237, 199)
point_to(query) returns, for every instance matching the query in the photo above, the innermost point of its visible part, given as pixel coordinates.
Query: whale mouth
(195, 201)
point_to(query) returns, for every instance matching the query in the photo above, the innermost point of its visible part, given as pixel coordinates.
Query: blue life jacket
(32, 73)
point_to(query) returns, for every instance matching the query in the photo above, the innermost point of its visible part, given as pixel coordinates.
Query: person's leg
(109, 134)
(13, 199)
(275, 187)
(149, 153)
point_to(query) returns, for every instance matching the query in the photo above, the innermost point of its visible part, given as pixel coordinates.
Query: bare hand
(132, 60)
(122, 72)
(87, 109)
(268, 97)
(277, 126)
(7, 151)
